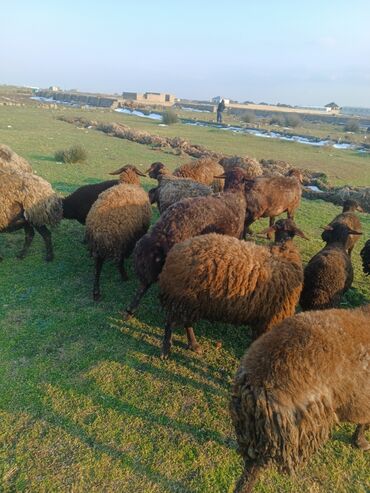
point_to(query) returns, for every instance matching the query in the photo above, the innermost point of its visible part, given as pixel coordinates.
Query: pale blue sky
(287, 51)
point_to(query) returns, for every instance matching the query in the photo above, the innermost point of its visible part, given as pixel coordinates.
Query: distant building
(218, 99)
(149, 97)
(332, 107)
(54, 88)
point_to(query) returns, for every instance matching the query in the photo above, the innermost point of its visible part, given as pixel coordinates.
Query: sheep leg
(167, 340)
(29, 233)
(359, 439)
(192, 342)
(247, 479)
(46, 235)
(121, 268)
(131, 309)
(247, 229)
(98, 267)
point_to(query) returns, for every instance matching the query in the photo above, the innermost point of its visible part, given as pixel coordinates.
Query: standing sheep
(10, 161)
(349, 218)
(220, 278)
(365, 256)
(329, 274)
(223, 213)
(28, 202)
(294, 383)
(117, 219)
(269, 196)
(250, 165)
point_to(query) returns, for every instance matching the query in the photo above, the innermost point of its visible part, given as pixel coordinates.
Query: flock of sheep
(303, 372)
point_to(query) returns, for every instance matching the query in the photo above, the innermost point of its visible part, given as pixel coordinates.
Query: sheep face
(339, 233)
(284, 229)
(156, 169)
(235, 179)
(351, 206)
(297, 174)
(129, 174)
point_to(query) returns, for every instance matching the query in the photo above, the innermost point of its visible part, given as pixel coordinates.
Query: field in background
(85, 402)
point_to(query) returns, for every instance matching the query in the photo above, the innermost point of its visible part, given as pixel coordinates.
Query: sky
(293, 52)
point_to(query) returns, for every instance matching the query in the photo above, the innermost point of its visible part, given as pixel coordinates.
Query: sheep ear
(327, 228)
(118, 171)
(300, 233)
(138, 172)
(354, 232)
(220, 176)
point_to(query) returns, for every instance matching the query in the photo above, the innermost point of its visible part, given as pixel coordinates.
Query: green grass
(86, 404)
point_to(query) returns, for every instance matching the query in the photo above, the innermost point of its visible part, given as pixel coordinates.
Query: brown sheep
(28, 202)
(117, 219)
(10, 161)
(269, 196)
(294, 383)
(222, 213)
(250, 165)
(202, 170)
(329, 274)
(220, 278)
(365, 256)
(348, 217)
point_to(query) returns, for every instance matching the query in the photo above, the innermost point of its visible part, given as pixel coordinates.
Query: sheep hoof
(362, 444)
(164, 356)
(195, 347)
(96, 296)
(126, 315)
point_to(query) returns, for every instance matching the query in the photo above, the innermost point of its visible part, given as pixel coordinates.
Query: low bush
(286, 121)
(248, 117)
(169, 117)
(74, 154)
(352, 127)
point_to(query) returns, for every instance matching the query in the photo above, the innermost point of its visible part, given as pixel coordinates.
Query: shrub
(248, 117)
(277, 120)
(352, 127)
(74, 154)
(292, 121)
(169, 117)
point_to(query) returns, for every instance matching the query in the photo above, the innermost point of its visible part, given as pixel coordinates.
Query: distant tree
(352, 126)
(169, 117)
(248, 117)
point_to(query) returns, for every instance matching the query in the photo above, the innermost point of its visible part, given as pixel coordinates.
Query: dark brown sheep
(365, 256)
(329, 274)
(294, 383)
(220, 278)
(349, 218)
(269, 196)
(222, 213)
(78, 204)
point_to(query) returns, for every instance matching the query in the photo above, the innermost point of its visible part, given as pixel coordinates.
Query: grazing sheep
(294, 383)
(117, 219)
(10, 161)
(219, 278)
(78, 204)
(28, 202)
(329, 274)
(365, 255)
(250, 165)
(222, 213)
(348, 217)
(269, 196)
(202, 170)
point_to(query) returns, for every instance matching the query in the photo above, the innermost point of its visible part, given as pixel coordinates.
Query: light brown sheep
(221, 278)
(10, 161)
(116, 220)
(250, 165)
(294, 383)
(27, 202)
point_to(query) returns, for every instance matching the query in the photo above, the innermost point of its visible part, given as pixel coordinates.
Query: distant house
(332, 107)
(218, 99)
(54, 88)
(149, 97)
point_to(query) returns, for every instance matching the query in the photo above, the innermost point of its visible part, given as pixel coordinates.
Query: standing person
(220, 109)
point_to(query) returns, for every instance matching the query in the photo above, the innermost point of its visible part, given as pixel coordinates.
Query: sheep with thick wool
(202, 170)
(329, 274)
(28, 202)
(220, 278)
(10, 161)
(250, 165)
(349, 218)
(365, 257)
(222, 213)
(117, 219)
(294, 383)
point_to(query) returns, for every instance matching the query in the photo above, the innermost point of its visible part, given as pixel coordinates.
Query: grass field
(86, 404)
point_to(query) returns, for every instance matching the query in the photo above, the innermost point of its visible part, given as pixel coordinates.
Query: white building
(218, 100)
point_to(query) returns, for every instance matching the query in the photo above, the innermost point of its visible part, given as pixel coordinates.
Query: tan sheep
(10, 161)
(250, 165)
(116, 220)
(294, 383)
(27, 202)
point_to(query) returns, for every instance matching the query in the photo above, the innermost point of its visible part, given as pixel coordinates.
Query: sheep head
(157, 169)
(351, 206)
(339, 233)
(284, 229)
(128, 174)
(296, 173)
(235, 179)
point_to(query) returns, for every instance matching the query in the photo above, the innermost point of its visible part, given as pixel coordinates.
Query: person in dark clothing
(220, 109)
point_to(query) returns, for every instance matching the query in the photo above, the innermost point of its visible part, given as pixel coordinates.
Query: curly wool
(365, 256)
(250, 165)
(117, 219)
(33, 195)
(171, 189)
(204, 171)
(10, 161)
(220, 278)
(299, 379)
